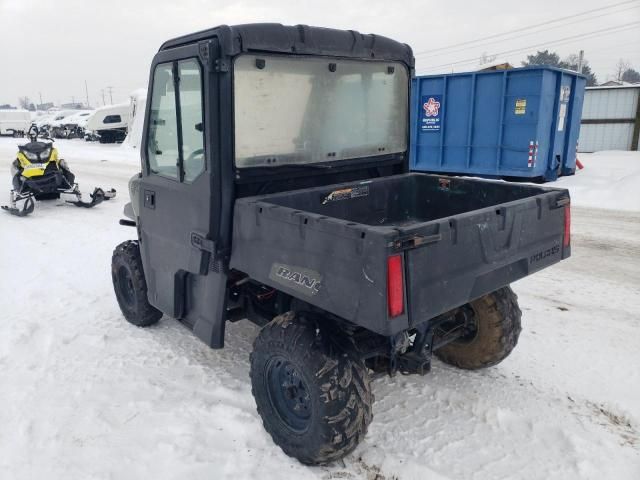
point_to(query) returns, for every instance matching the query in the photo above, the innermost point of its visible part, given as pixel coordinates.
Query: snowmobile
(39, 174)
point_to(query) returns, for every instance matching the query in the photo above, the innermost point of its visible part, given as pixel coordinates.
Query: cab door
(175, 188)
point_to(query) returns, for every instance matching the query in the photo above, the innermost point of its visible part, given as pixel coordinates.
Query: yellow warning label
(521, 106)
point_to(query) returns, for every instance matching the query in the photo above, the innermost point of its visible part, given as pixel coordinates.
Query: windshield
(297, 110)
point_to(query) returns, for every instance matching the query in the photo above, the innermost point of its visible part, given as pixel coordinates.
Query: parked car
(70, 125)
(49, 125)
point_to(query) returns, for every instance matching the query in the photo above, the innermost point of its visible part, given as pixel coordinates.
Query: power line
(519, 50)
(517, 30)
(520, 35)
(560, 41)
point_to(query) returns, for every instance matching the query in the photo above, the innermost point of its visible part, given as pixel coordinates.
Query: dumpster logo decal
(430, 121)
(302, 280)
(431, 108)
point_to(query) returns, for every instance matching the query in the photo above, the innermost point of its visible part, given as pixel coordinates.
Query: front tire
(497, 326)
(130, 285)
(314, 397)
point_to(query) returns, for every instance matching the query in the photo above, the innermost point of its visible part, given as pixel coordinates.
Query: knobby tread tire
(142, 313)
(339, 386)
(499, 325)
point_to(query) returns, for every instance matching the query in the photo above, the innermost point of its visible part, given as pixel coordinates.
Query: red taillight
(395, 288)
(567, 225)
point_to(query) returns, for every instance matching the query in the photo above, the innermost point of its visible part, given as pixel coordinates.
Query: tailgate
(480, 251)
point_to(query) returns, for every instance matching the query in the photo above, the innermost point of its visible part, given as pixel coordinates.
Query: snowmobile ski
(98, 196)
(27, 208)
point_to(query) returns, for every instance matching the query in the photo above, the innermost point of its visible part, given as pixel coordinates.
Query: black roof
(299, 39)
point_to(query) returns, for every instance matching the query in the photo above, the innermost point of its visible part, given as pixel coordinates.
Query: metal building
(610, 118)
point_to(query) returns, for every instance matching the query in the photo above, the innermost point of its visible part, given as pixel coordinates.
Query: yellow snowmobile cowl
(32, 169)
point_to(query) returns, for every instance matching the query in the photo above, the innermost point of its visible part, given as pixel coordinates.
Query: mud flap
(206, 307)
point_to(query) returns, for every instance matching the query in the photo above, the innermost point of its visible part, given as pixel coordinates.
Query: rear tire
(130, 285)
(498, 325)
(314, 397)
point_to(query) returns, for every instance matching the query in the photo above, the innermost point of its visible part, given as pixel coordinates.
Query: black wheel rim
(288, 394)
(125, 286)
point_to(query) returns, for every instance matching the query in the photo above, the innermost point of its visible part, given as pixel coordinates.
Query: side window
(162, 145)
(191, 118)
(175, 137)
(112, 119)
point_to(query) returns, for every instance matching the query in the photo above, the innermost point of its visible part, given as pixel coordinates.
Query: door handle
(150, 199)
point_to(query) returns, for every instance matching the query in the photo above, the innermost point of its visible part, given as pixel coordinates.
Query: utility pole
(40, 94)
(110, 94)
(580, 61)
(103, 102)
(86, 91)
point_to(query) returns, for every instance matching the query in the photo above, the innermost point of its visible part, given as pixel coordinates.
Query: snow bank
(609, 180)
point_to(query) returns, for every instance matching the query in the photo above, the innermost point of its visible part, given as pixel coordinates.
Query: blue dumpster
(522, 122)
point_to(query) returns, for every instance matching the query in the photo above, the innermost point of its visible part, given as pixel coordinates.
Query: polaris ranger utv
(275, 187)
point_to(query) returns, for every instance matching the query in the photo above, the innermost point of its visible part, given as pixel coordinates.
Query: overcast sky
(50, 48)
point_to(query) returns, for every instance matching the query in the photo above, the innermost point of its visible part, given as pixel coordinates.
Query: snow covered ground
(609, 180)
(84, 395)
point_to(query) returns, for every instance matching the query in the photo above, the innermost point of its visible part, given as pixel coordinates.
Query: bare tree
(621, 67)
(24, 102)
(486, 58)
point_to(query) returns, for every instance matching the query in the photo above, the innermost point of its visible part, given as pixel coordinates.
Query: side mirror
(199, 127)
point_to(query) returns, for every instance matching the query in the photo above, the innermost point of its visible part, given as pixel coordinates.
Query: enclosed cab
(275, 187)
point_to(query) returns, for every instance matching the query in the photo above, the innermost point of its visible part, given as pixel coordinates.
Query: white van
(14, 122)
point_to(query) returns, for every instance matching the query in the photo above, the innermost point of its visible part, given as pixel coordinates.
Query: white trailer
(14, 122)
(110, 123)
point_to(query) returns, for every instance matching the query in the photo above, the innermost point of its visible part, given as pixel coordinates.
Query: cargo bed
(457, 239)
